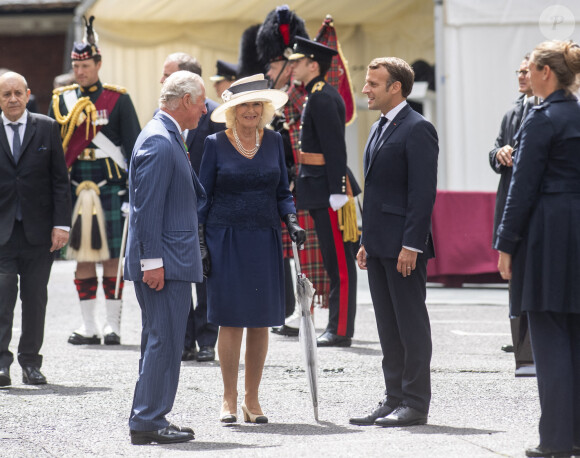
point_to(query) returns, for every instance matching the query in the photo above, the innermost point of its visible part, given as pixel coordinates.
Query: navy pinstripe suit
(164, 193)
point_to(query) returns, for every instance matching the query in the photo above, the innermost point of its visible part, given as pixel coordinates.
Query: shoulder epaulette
(317, 87)
(114, 87)
(60, 90)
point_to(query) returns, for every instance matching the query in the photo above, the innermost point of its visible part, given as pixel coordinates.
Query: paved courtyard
(479, 409)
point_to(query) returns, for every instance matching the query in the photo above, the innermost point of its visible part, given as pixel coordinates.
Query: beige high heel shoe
(226, 416)
(249, 417)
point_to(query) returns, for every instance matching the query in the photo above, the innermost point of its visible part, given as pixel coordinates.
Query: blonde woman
(244, 174)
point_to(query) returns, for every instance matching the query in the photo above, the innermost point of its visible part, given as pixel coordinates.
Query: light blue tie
(16, 147)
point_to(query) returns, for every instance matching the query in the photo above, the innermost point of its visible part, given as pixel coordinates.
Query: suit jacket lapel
(172, 128)
(28, 134)
(367, 155)
(393, 125)
(4, 142)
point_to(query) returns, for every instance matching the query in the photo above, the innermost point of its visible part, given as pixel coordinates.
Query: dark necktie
(378, 133)
(16, 145)
(527, 105)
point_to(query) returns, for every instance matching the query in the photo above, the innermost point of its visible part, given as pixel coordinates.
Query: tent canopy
(135, 38)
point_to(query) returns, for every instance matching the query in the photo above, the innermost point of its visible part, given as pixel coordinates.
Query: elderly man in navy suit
(400, 164)
(198, 328)
(163, 255)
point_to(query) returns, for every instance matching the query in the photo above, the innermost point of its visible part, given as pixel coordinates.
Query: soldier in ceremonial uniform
(321, 184)
(99, 127)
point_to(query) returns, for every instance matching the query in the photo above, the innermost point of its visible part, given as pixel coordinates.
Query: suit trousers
(556, 345)
(521, 341)
(198, 328)
(338, 258)
(164, 315)
(32, 263)
(404, 331)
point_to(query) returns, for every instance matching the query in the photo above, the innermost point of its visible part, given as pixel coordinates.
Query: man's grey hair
(177, 85)
(185, 62)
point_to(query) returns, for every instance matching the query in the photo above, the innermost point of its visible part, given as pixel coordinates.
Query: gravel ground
(479, 409)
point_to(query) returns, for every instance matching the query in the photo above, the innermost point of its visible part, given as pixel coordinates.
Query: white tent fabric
(136, 36)
(484, 43)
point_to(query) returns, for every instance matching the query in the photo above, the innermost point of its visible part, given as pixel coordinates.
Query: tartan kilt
(310, 258)
(97, 172)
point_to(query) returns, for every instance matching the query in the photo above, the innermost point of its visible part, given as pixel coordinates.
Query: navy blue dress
(246, 199)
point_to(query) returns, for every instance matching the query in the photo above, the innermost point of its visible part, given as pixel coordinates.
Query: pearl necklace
(249, 153)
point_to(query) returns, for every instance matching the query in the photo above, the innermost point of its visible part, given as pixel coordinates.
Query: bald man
(35, 215)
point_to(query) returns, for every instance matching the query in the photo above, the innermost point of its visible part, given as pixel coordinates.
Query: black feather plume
(91, 36)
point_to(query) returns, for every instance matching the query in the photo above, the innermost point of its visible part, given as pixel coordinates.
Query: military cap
(313, 50)
(86, 49)
(225, 71)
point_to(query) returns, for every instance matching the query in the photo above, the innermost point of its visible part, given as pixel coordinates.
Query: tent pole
(440, 87)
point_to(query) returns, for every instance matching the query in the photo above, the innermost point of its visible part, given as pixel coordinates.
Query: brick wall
(39, 58)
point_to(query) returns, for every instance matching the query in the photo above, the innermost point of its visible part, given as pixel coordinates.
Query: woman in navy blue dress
(244, 174)
(539, 242)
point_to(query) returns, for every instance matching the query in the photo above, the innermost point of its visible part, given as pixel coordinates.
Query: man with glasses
(501, 161)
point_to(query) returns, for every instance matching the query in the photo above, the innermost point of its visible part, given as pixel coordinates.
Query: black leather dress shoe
(544, 452)
(32, 376)
(205, 353)
(328, 339)
(112, 339)
(5, 376)
(403, 416)
(382, 410)
(284, 330)
(189, 354)
(183, 429)
(169, 435)
(77, 339)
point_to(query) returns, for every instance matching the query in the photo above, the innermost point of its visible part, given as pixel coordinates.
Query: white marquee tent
(477, 45)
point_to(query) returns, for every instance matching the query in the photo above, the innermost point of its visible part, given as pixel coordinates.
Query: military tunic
(323, 172)
(121, 127)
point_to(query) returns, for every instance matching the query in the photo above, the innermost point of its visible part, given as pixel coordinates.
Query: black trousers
(556, 346)
(404, 331)
(198, 328)
(339, 262)
(521, 341)
(32, 263)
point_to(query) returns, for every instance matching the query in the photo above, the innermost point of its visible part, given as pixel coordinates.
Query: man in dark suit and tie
(163, 255)
(35, 215)
(400, 163)
(198, 328)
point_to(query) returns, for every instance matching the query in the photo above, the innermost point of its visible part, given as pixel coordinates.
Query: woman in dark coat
(244, 174)
(539, 242)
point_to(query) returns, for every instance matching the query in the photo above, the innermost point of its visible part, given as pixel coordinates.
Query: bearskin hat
(248, 62)
(277, 34)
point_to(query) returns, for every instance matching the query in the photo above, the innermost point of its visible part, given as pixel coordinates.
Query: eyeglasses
(522, 72)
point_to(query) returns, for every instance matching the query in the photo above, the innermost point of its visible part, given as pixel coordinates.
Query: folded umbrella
(307, 334)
